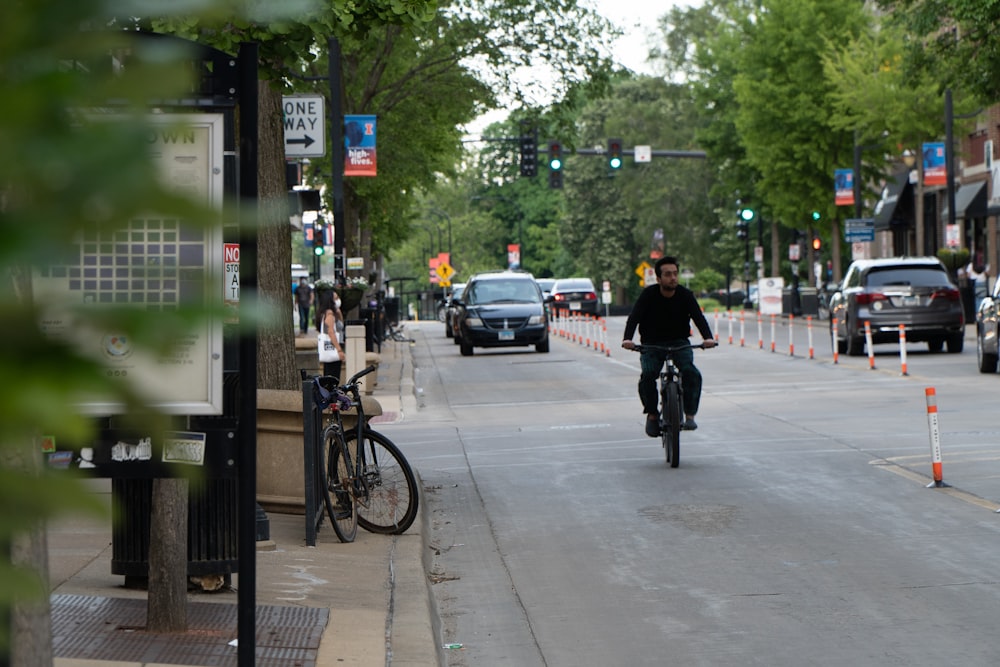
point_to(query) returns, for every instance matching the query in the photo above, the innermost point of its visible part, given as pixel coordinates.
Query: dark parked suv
(914, 291)
(501, 309)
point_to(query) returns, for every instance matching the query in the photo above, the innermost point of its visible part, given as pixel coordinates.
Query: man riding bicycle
(663, 313)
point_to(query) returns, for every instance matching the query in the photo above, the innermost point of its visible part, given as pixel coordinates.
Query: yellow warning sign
(444, 271)
(642, 268)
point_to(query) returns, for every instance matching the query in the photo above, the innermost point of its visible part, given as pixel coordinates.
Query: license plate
(911, 300)
(574, 305)
(505, 335)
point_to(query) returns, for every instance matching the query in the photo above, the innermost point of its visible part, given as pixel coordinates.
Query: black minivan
(501, 309)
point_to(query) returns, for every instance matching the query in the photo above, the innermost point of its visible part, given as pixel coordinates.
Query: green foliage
(74, 165)
(956, 40)
(707, 280)
(954, 258)
(784, 110)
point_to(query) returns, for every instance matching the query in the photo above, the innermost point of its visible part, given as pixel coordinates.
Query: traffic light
(817, 244)
(615, 153)
(743, 219)
(529, 154)
(318, 248)
(555, 164)
(816, 216)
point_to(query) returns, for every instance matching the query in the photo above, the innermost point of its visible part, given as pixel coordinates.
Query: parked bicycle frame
(363, 476)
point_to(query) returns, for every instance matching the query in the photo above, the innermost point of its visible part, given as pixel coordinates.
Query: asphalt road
(798, 529)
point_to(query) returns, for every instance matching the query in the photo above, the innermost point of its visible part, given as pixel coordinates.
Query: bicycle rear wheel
(392, 496)
(336, 482)
(670, 429)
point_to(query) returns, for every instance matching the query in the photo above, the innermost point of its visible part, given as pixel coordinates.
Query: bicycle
(671, 400)
(361, 469)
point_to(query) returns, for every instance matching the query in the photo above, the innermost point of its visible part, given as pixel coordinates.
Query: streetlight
(910, 159)
(441, 215)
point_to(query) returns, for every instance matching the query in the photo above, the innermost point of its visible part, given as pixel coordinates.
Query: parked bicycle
(671, 400)
(363, 476)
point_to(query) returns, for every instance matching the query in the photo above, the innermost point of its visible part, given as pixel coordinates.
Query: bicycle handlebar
(669, 349)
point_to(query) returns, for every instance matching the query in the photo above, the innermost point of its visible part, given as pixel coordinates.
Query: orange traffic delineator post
(730, 327)
(743, 337)
(833, 339)
(809, 331)
(868, 343)
(772, 332)
(935, 434)
(902, 348)
(760, 331)
(716, 326)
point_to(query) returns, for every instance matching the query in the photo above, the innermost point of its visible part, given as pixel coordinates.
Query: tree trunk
(276, 367)
(166, 602)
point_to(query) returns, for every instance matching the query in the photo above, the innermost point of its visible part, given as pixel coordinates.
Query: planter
(280, 463)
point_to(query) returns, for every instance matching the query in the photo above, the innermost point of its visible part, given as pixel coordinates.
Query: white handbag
(327, 351)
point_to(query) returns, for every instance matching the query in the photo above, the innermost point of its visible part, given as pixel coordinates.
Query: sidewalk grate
(103, 628)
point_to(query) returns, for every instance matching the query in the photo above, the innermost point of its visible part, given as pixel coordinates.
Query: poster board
(153, 263)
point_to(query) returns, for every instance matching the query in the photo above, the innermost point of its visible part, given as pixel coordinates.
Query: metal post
(336, 155)
(247, 495)
(949, 154)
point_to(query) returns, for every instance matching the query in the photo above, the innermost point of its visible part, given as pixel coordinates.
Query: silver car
(987, 353)
(916, 292)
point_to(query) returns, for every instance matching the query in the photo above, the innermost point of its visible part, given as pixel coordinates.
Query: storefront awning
(970, 201)
(889, 212)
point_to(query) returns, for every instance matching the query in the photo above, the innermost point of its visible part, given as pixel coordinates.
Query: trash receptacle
(212, 527)
(392, 308)
(367, 316)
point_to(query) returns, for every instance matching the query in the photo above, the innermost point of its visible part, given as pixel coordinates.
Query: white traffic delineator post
(833, 340)
(868, 344)
(935, 435)
(902, 348)
(791, 340)
(809, 330)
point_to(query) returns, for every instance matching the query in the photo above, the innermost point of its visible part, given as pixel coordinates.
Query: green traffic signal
(816, 215)
(555, 156)
(318, 250)
(615, 153)
(747, 214)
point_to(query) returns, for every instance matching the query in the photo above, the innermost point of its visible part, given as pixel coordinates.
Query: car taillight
(865, 298)
(559, 297)
(591, 296)
(949, 294)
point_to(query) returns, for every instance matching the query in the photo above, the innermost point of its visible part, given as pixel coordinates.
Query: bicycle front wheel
(391, 504)
(337, 484)
(671, 428)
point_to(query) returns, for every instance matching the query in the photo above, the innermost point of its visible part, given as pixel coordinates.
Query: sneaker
(689, 424)
(653, 428)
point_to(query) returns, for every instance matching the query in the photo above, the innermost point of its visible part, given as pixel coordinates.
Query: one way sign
(305, 125)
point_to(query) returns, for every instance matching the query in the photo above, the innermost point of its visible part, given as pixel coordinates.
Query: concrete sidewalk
(364, 603)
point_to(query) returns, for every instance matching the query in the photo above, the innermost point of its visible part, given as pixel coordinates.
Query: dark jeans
(651, 363)
(333, 368)
(304, 318)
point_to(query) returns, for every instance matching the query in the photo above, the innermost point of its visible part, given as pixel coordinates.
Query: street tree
(957, 40)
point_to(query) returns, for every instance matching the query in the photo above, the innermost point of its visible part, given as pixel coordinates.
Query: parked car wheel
(955, 343)
(855, 345)
(542, 346)
(987, 361)
(465, 348)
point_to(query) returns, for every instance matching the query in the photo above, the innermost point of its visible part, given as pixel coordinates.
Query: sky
(636, 18)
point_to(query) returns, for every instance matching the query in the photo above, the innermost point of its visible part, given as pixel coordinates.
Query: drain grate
(102, 628)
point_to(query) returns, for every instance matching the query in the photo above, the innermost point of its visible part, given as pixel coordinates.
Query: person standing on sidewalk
(663, 314)
(304, 300)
